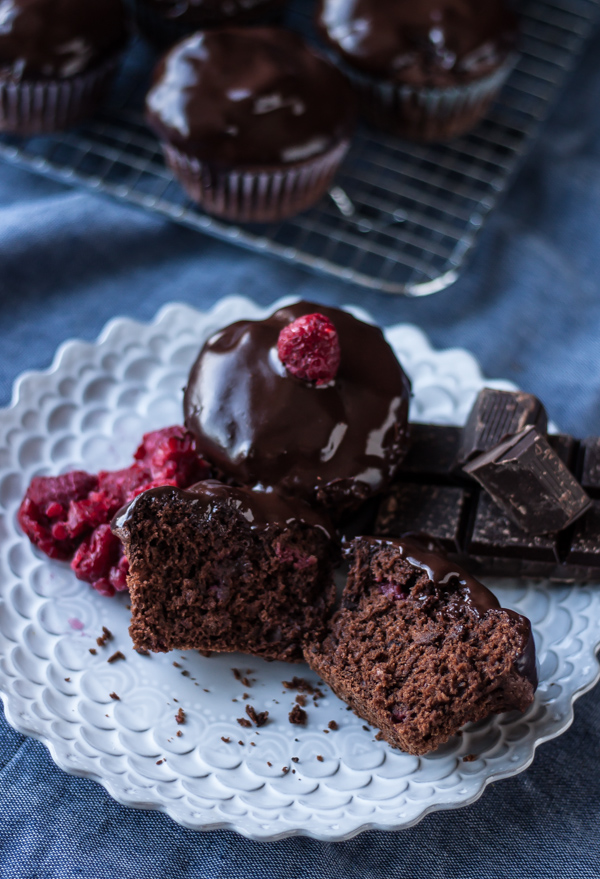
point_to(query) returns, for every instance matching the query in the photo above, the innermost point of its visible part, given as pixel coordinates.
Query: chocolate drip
(55, 39)
(441, 571)
(430, 42)
(336, 443)
(261, 509)
(249, 97)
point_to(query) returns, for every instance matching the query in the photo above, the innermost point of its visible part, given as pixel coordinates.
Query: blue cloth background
(528, 307)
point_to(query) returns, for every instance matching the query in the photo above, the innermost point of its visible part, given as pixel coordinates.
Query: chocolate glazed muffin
(164, 22)
(57, 58)
(328, 424)
(425, 70)
(253, 123)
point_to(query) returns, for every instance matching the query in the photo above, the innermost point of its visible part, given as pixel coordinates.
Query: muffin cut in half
(419, 648)
(220, 568)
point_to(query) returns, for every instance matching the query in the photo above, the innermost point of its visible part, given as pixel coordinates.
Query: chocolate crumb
(285, 769)
(178, 733)
(176, 664)
(320, 758)
(237, 674)
(116, 656)
(257, 717)
(326, 731)
(332, 725)
(240, 742)
(301, 700)
(269, 764)
(234, 700)
(204, 690)
(68, 680)
(225, 739)
(93, 651)
(468, 758)
(159, 762)
(114, 696)
(246, 682)
(245, 696)
(104, 637)
(300, 684)
(243, 721)
(298, 715)
(141, 651)
(295, 759)
(253, 744)
(180, 716)
(293, 771)
(175, 700)
(205, 653)
(366, 728)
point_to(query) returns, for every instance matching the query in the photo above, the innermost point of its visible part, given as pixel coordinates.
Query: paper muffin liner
(426, 114)
(42, 106)
(261, 195)
(164, 32)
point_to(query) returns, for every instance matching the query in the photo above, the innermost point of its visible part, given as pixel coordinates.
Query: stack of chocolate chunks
(501, 495)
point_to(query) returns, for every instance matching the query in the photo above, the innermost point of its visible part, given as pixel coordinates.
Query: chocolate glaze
(248, 97)
(442, 571)
(55, 39)
(261, 509)
(424, 43)
(208, 13)
(336, 444)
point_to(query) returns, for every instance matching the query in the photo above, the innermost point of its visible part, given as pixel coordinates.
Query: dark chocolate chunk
(585, 543)
(529, 482)
(433, 450)
(496, 535)
(436, 511)
(565, 447)
(495, 415)
(590, 465)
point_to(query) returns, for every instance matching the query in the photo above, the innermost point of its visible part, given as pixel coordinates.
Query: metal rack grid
(401, 217)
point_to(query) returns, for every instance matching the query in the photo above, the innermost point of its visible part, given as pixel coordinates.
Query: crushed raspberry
(69, 516)
(309, 348)
(393, 590)
(45, 508)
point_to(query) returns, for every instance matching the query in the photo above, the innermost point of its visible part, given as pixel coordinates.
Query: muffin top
(203, 13)
(56, 39)
(335, 436)
(248, 97)
(424, 43)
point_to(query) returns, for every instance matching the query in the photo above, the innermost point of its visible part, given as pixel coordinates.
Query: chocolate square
(590, 465)
(494, 534)
(585, 542)
(432, 452)
(435, 510)
(495, 415)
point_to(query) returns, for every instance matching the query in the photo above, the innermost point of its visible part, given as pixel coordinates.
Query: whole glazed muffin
(311, 401)
(253, 123)
(164, 22)
(57, 58)
(426, 70)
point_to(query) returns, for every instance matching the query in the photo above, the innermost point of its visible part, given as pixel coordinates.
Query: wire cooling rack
(401, 217)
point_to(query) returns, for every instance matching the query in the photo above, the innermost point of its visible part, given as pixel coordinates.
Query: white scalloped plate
(89, 411)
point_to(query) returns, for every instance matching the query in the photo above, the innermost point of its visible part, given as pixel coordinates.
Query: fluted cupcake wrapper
(263, 195)
(42, 106)
(426, 114)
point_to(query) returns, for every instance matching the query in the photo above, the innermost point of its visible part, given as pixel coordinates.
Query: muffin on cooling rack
(164, 22)
(252, 121)
(57, 58)
(425, 70)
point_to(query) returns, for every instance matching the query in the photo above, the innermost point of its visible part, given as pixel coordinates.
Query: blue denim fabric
(527, 306)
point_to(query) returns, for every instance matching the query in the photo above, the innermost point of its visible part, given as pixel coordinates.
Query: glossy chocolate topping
(207, 13)
(336, 443)
(420, 42)
(441, 571)
(249, 96)
(55, 39)
(261, 509)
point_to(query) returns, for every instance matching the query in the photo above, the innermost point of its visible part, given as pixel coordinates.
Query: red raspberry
(45, 509)
(63, 515)
(309, 348)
